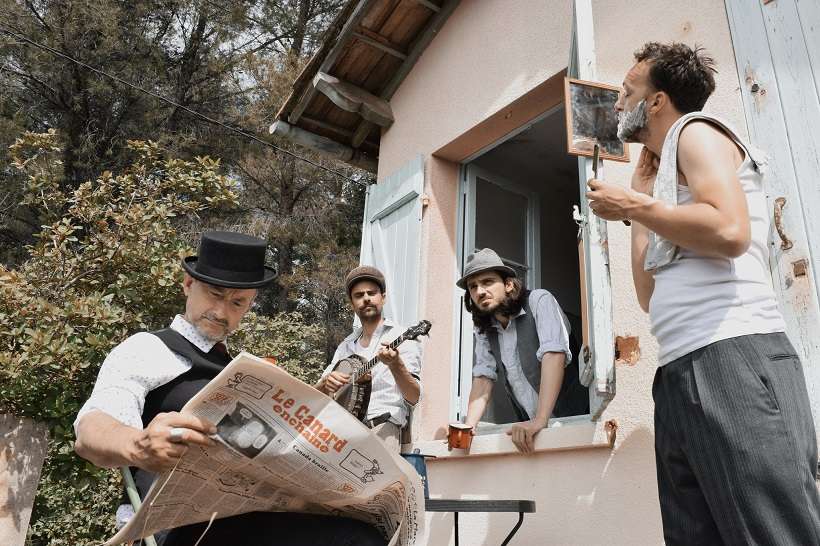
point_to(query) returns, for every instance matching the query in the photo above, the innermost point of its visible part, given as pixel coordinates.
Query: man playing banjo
(396, 388)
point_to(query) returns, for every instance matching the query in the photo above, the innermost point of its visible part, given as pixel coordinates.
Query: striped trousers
(735, 446)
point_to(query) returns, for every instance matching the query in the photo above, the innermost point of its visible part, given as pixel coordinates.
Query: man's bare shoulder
(701, 139)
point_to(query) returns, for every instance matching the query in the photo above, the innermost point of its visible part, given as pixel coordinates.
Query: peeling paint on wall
(627, 350)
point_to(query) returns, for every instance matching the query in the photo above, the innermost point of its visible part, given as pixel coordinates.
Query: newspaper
(281, 446)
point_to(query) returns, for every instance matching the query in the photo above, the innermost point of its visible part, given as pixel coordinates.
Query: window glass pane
(501, 221)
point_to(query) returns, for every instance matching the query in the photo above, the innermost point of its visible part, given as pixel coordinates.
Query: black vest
(573, 398)
(173, 395)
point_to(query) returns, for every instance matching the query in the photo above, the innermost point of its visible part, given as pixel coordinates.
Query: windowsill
(563, 434)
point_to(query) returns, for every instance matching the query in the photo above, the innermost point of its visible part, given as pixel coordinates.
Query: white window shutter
(777, 52)
(391, 238)
(597, 358)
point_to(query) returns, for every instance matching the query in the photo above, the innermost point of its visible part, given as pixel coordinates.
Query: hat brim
(361, 278)
(189, 263)
(462, 282)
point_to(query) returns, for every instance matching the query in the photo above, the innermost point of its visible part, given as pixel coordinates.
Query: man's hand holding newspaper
(279, 445)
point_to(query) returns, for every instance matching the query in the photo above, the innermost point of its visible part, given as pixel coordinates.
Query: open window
(524, 196)
(518, 198)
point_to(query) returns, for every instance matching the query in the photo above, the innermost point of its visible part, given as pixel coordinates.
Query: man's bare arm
(407, 384)
(643, 181)
(480, 393)
(644, 280)
(108, 443)
(552, 375)
(717, 223)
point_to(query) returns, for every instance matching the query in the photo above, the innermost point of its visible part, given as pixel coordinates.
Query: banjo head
(347, 395)
(350, 364)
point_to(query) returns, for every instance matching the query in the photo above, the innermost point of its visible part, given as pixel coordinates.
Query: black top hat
(232, 260)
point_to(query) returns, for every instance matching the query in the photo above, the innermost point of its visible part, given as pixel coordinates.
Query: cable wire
(200, 115)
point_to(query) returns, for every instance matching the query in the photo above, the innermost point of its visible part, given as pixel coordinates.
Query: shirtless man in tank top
(734, 437)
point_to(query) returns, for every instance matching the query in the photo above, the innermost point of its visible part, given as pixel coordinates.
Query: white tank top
(699, 300)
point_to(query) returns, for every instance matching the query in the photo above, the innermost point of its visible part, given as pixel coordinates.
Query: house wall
(490, 53)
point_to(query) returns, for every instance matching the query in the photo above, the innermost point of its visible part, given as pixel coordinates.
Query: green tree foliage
(311, 218)
(195, 53)
(92, 256)
(105, 264)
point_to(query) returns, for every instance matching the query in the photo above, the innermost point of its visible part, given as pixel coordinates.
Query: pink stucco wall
(488, 54)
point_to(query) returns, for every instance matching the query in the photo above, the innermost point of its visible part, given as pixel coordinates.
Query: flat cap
(364, 273)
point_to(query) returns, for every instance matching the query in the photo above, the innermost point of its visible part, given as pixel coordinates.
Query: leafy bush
(286, 337)
(106, 264)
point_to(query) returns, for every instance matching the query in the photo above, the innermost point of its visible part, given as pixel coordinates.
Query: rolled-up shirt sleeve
(552, 326)
(484, 364)
(138, 365)
(411, 354)
(337, 356)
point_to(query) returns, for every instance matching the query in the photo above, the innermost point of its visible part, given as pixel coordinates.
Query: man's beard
(369, 314)
(632, 123)
(208, 335)
(504, 308)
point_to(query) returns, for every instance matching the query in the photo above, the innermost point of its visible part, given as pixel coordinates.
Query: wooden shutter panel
(391, 238)
(597, 359)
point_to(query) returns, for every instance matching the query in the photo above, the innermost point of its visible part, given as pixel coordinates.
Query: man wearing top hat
(395, 387)
(132, 417)
(523, 366)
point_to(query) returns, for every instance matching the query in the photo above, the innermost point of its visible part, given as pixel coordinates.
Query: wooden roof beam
(380, 45)
(429, 5)
(347, 133)
(341, 40)
(425, 37)
(323, 145)
(354, 99)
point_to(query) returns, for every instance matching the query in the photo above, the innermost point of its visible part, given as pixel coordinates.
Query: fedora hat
(484, 260)
(231, 260)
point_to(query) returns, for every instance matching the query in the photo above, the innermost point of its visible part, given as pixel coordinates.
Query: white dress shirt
(135, 367)
(553, 337)
(385, 395)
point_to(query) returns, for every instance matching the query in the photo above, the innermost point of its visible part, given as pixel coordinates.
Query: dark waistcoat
(573, 399)
(174, 394)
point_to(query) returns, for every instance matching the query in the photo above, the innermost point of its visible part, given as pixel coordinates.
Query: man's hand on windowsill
(523, 434)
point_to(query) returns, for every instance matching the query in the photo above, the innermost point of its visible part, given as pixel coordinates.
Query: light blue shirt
(553, 337)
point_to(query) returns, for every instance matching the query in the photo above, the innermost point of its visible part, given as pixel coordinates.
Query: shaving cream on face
(631, 123)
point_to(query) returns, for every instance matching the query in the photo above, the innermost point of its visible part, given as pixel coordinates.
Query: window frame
(463, 348)
(597, 359)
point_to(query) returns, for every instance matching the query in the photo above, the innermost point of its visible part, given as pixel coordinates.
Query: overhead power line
(199, 115)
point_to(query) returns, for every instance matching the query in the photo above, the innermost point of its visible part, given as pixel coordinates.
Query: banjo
(355, 395)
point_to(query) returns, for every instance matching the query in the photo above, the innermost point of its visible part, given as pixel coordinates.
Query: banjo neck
(375, 360)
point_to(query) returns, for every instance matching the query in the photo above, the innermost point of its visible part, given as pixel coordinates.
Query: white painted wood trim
(594, 233)
(463, 341)
(579, 433)
(533, 230)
